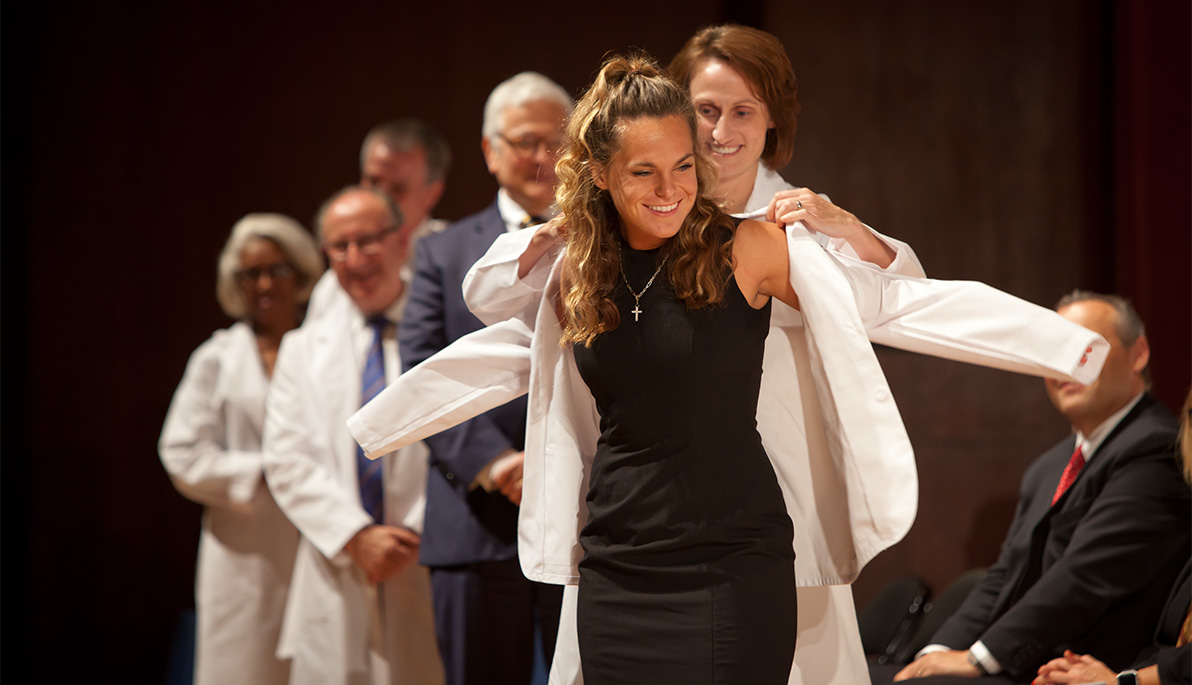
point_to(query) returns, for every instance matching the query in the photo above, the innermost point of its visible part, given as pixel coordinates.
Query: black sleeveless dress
(688, 570)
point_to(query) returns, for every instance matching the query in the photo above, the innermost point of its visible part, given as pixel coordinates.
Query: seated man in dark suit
(485, 609)
(1100, 533)
(1169, 660)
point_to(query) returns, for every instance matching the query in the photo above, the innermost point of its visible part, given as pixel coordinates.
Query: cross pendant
(636, 311)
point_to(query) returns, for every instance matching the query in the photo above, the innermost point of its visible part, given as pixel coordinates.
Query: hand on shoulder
(815, 211)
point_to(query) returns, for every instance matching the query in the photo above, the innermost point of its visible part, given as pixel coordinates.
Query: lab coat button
(881, 394)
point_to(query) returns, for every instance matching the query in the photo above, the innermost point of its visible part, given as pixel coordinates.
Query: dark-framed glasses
(275, 272)
(528, 146)
(366, 245)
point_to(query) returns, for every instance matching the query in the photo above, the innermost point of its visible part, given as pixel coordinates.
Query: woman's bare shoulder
(759, 239)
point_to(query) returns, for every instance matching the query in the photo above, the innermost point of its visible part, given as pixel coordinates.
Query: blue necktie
(368, 471)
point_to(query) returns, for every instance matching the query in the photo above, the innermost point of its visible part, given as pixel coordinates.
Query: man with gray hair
(359, 609)
(408, 161)
(485, 609)
(1100, 533)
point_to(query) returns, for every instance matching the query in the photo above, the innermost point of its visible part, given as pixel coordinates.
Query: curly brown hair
(699, 258)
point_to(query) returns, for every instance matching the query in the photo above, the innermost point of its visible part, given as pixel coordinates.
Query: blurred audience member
(359, 609)
(1100, 533)
(211, 447)
(408, 161)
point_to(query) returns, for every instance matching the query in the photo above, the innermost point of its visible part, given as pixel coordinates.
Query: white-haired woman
(211, 443)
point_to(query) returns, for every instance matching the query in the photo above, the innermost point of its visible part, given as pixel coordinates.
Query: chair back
(938, 611)
(890, 618)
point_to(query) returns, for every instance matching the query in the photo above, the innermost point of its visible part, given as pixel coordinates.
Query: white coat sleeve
(491, 287)
(906, 262)
(297, 462)
(193, 445)
(478, 372)
(972, 322)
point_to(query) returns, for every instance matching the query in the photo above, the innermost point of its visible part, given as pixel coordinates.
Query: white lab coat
(837, 445)
(828, 634)
(211, 447)
(338, 629)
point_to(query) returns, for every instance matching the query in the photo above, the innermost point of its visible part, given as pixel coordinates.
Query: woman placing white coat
(827, 421)
(211, 447)
(745, 93)
(744, 90)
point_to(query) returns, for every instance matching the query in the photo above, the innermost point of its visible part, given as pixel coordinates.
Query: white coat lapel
(336, 376)
(244, 370)
(864, 429)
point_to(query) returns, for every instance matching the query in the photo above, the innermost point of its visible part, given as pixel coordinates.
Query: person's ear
(597, 171)
(490, 155)
(1140, 354)
(432, 197)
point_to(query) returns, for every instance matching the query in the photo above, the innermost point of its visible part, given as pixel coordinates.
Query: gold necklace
(637, 297)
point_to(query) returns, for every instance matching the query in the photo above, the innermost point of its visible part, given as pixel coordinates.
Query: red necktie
(1070, 472)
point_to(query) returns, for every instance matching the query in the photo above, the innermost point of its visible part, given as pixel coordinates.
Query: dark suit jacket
(1175, 663)
(1093, 572)
(462, 526)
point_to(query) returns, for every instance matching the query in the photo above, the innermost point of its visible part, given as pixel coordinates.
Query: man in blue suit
(485, 609)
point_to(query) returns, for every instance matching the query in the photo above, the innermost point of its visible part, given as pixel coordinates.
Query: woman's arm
(761, 264)
(546, 237)
(510, 277)
(193, 445)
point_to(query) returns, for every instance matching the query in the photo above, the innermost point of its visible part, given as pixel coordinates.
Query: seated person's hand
(1074, 668)
(947, 662)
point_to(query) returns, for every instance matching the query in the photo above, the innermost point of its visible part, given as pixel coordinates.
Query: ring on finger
(798, 204)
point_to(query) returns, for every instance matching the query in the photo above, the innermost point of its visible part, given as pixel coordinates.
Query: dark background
(1036, 146)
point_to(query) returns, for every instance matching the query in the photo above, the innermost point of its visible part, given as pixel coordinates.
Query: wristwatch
(1127, 678)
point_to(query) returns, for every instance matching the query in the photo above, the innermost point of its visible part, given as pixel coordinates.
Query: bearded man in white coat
(359, 609)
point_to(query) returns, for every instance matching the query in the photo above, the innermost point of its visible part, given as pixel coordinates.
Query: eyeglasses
(366, 245)
(528, 146)
(275, 271)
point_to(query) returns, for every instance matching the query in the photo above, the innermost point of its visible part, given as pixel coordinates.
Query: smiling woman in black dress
(688, 571)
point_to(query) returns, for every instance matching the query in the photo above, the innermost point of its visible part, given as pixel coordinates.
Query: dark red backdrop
(1035, 146)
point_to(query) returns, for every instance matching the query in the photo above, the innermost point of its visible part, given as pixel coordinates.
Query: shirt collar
(765, 185)
(513, 214)
(424, 229)
(1090, 443)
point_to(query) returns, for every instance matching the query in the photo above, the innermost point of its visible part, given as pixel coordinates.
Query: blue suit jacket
(462, 526)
